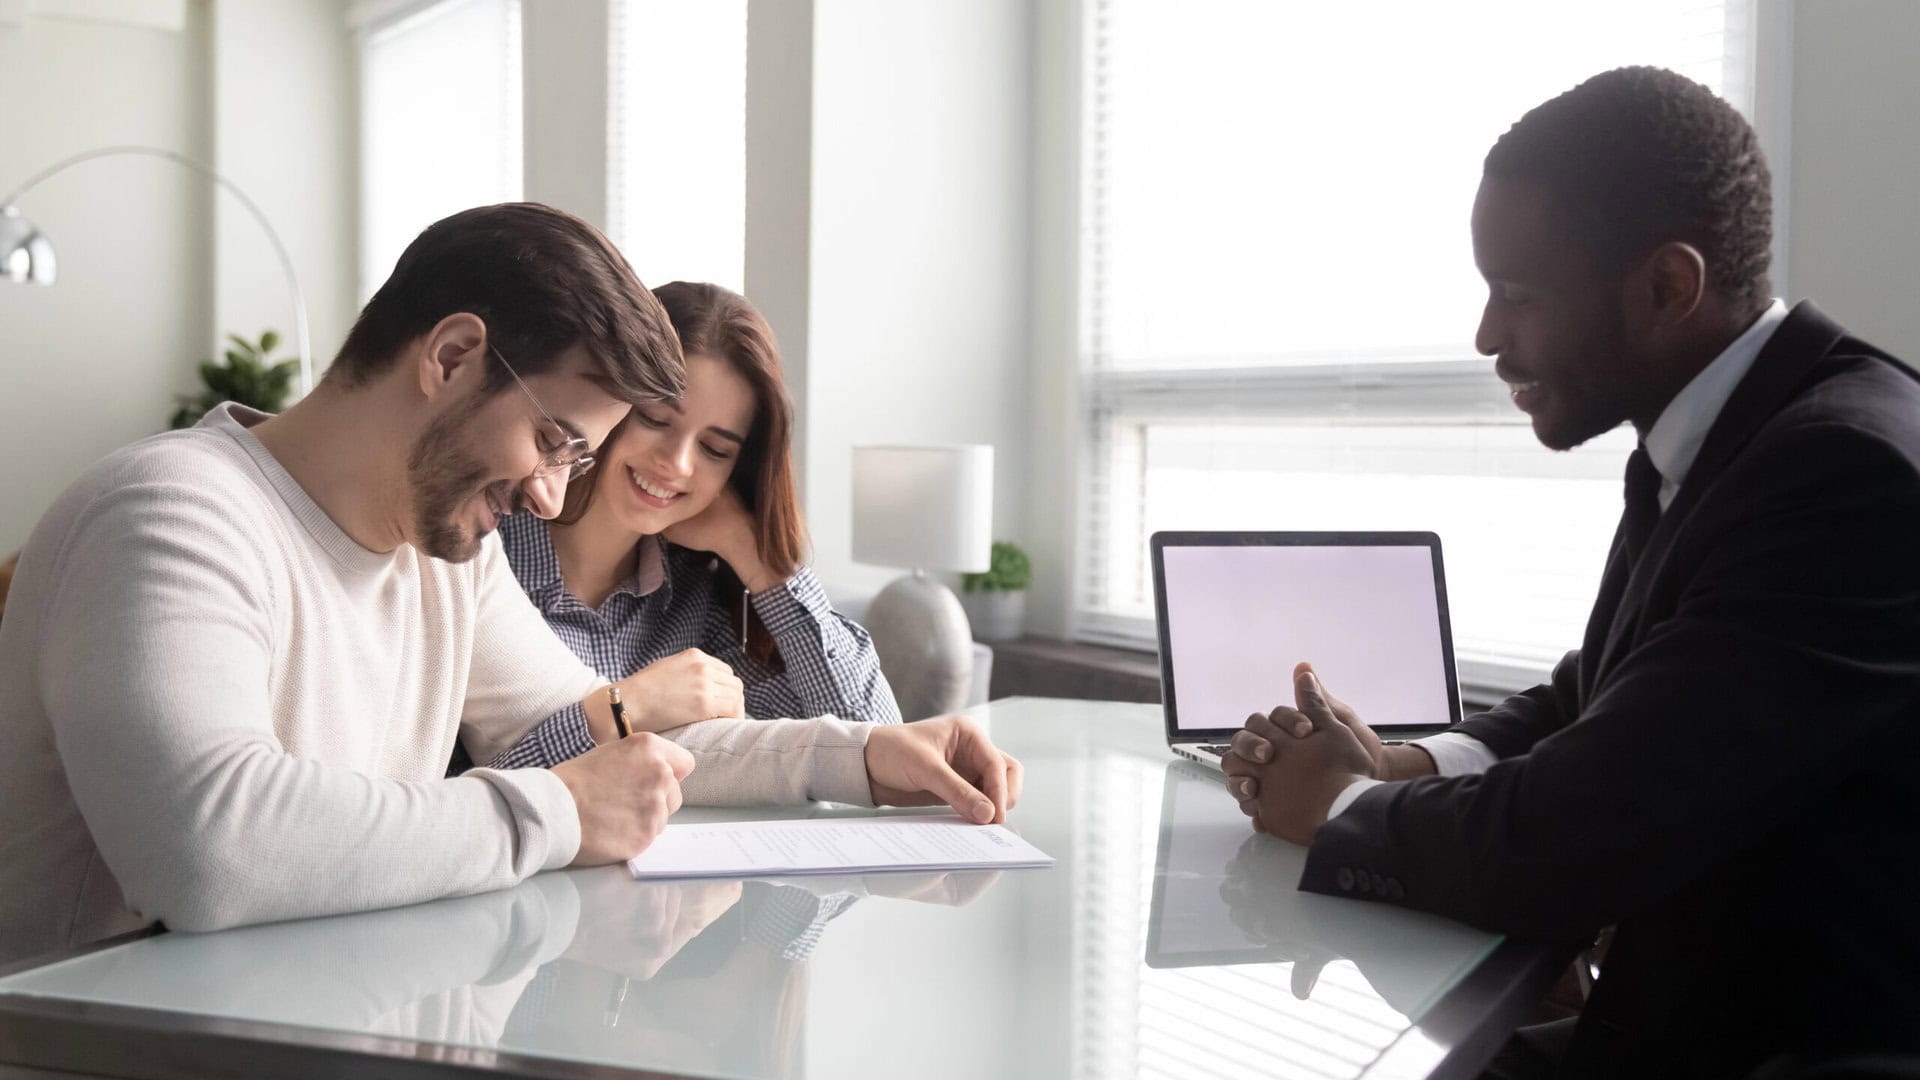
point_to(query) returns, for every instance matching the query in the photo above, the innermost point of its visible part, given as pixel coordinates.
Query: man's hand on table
(1287, 766)
(949, 760)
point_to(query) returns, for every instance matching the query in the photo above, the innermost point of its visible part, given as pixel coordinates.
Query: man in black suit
(1725, 770)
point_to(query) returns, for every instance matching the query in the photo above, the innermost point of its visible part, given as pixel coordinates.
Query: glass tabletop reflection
(1168, 940)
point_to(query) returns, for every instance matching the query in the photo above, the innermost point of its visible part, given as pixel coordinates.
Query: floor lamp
(26, 255)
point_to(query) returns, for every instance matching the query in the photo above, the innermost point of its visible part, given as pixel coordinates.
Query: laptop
(1236, 610)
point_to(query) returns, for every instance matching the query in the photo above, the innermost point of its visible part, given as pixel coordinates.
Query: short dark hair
(1643, 156)
(542, 280)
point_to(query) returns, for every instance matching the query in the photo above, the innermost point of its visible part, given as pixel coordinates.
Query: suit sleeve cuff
(1455, 754)
(1347, 796)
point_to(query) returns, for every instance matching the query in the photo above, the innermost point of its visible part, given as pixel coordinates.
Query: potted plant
(247, 377)
(996, 601)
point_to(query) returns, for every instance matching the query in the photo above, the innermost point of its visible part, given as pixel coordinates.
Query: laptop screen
(1238, 610)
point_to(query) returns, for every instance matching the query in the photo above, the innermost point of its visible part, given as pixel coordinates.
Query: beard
(1595, 394)
(445, 476)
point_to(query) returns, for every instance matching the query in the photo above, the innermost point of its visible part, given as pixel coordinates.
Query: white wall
(779, 188)
(1055, 436)
(93, 362)
(918, 268)
(1854, 228)
(154, 268)
(285, 131)
(887, 192)
(564, 105)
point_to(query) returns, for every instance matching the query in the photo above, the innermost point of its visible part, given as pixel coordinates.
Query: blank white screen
(1367, 618)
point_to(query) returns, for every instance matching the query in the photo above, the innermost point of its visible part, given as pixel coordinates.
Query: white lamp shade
(923, 507)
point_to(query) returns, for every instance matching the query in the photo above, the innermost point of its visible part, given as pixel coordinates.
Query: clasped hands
(1287, 766)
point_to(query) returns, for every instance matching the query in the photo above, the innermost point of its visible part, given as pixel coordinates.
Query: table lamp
(923, 508)
(26, 255)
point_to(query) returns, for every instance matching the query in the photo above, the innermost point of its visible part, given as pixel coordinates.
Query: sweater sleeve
(155, 673)
(742, 762)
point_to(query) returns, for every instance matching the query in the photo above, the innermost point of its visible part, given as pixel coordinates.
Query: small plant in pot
(996, 601)
(248, 377)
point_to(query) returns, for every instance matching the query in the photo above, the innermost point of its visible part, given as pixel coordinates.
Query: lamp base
(925, 647)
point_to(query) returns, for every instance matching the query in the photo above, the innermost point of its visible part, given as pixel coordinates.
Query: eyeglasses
(571, 455)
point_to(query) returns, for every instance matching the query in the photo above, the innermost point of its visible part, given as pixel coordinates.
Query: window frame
(1417, 388)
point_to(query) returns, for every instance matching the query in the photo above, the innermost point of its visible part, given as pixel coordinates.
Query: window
(1279, 294)
(677, 139)
(439, 119)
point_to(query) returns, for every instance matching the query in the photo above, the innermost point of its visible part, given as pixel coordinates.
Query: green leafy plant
(247, 377)
(1008, 570)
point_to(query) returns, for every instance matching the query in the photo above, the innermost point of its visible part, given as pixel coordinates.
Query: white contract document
(832, 846)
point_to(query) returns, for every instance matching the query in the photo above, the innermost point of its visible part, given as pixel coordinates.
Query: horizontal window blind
(440, 115)
(1279, 295)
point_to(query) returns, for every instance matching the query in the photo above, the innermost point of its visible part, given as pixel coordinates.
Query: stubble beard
(444, 477)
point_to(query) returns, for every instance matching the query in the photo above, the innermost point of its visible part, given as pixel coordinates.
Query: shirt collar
(237, 421)
(651, 571)
(1676, 437)
(530, 552)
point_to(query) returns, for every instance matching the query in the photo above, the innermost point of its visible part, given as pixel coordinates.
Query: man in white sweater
(236, 658)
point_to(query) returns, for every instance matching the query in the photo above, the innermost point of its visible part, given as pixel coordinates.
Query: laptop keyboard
(1220, 749)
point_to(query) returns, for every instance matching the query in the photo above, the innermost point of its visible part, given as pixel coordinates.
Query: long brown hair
(717, 322)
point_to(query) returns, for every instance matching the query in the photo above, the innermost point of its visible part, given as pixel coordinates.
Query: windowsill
(1050, 667)
(1034, 666)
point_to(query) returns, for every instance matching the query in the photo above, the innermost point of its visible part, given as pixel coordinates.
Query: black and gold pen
(619, 711)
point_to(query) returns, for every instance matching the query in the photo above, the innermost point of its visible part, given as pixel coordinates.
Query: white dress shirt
(1672, 445)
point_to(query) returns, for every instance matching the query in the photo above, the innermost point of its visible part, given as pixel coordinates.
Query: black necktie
(1643, 502)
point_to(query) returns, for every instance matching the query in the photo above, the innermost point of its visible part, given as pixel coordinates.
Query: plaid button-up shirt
(670, 605)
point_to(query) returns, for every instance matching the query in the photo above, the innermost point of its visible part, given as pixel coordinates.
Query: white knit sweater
(216, 708)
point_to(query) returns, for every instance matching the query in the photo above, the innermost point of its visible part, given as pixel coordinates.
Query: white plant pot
(997, 615)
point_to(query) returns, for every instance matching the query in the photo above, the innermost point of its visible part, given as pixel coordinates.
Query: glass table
(1168, 941)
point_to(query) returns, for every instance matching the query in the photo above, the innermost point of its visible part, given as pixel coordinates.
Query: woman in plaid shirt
(678, 556)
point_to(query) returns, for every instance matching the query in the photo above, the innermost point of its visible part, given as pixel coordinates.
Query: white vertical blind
(440, 116)
(1280, 295)
(677, 138)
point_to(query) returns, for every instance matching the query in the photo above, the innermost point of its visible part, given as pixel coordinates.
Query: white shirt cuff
(1346, 797)
(1455, 754)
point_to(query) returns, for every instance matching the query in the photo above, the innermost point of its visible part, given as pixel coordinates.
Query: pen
(619, 711)
(616, 1002)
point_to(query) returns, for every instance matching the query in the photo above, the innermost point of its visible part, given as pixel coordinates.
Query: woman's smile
(654, 495)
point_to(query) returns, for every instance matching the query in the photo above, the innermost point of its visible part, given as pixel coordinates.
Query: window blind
(1279, 295)
(440, 119)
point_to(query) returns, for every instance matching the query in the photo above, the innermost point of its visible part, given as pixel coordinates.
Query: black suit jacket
(1727, 769)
